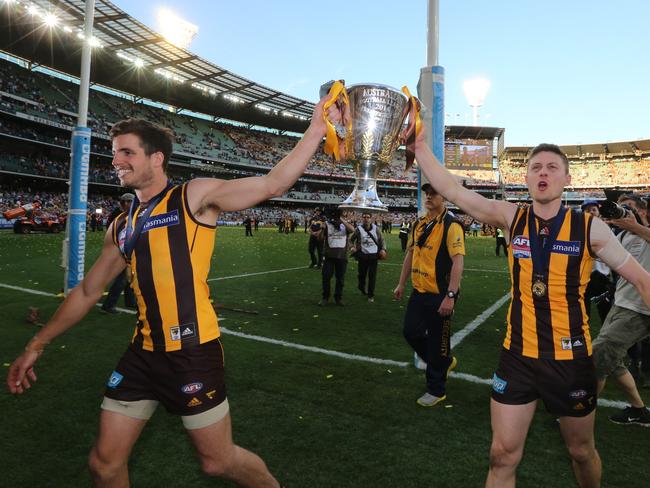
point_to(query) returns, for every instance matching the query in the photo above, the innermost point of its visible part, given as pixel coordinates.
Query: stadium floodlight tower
(431, 92)
(74, 245)
(475, 92)
(177, 31)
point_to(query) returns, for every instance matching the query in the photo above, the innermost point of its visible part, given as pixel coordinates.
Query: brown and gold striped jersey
(554, 326)
(170, 265)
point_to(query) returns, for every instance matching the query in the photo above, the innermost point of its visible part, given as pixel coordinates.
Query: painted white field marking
(47, 294)
(354, 357)
(400, 364)
(482, 270)
(486, 314)
(255, 274)
(27, 290)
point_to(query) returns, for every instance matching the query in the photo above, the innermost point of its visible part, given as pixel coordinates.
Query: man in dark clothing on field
(315, 239)
(121, 283)
(335, 248)
(370, 248)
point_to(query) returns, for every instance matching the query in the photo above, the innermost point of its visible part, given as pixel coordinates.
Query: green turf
(317, 420)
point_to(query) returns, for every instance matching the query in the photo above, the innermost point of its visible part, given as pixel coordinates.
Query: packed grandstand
(38, 109)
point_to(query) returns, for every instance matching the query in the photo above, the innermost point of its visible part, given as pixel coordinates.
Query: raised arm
(493, 212)
(209, 195)
(76, 305)
(609, 249)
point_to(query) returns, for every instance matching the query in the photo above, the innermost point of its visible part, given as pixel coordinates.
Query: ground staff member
(547, 349)
(434, 261)
(175, 358)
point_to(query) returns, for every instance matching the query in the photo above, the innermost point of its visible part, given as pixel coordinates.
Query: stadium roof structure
(130, 57)
(473, 132)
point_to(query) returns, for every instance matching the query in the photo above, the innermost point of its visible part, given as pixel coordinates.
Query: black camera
(612, 210)
(333, 214)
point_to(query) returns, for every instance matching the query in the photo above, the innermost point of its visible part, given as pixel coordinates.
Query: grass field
(319, 420)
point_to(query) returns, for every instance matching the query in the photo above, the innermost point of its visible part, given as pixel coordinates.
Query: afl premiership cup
(377, 114)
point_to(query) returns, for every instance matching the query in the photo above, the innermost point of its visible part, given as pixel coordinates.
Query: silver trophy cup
(377, 113)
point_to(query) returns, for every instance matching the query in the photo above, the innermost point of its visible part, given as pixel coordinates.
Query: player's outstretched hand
(21, 372)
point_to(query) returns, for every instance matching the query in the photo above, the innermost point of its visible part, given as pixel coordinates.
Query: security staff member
(435, 262)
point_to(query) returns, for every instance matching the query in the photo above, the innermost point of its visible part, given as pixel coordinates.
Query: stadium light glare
(50, 20)
(32, 9)
(94, 42)
(67, 29)
(475, 92)
(138, 63)
(176, 30)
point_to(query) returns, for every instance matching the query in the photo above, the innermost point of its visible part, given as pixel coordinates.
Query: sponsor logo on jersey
(121, 239)
(566, 343)
(578, 342)
(578, 406)
(520, 247)
(498, 384)
(578, 394)
(161, 220)
(211, 394)
(192, 388)
(187, 330)
(570, 248)
(114, 380)
(183, 331)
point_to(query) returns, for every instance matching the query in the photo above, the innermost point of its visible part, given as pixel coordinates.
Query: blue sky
(567, 72)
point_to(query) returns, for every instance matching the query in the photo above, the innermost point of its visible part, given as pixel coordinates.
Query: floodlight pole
(74, 246)
(431, 91)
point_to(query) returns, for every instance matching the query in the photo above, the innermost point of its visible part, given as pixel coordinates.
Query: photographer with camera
(629, 319)
(600, 289)
(369, 247)
(335, 251)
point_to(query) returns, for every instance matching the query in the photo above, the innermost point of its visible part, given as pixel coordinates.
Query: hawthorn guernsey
(521, 247)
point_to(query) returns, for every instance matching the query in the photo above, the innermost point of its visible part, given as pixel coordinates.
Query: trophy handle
(337, 92)
(413, 128)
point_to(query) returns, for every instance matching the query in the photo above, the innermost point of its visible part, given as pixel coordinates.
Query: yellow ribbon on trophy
(414, 127)
(337, 91)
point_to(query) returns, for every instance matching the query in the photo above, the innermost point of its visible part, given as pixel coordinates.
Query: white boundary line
(463, 376)
(469, 328)
(354, 357)
(255, 274)
(500, 271)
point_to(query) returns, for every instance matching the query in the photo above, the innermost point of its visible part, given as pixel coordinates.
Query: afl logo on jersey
(520, 247)
(121, 239)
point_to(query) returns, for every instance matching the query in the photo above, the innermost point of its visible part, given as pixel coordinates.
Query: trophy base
(364, 198)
